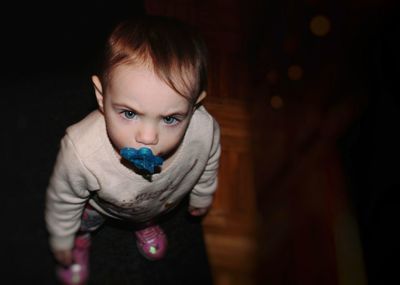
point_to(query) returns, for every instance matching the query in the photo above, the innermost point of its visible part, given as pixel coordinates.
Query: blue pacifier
(142, 158)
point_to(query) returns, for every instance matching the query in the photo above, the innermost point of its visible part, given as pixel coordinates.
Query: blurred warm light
(272, 77)
(276, 102)
(320, 25)
(295, 72)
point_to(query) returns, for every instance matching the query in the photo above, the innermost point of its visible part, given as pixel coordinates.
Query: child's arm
(202, 194)
(65, 199)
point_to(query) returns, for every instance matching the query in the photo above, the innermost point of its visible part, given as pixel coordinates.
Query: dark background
(58, 37)
(370, 147)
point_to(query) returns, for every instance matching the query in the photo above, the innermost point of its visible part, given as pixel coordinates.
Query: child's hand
(198, 211)
(63, 256)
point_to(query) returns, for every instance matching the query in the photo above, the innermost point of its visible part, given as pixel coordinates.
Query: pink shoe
(78, 272)
(151, 242)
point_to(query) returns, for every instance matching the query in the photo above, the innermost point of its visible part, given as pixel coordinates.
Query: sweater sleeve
(202, 194)
(66, 196)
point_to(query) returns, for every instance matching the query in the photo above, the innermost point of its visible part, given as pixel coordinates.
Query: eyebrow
(124, 106)
(169, 114)
(177, 114)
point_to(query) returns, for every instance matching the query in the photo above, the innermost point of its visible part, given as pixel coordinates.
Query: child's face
(142, 111)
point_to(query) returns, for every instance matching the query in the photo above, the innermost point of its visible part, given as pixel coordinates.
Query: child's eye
(169, 120)
(129, 114)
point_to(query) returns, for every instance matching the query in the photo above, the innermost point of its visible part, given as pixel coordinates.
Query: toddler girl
(149, 145)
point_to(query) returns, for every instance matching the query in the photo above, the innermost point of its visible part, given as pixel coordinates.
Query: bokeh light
(276, 102)
(295, 72)
(320, 25)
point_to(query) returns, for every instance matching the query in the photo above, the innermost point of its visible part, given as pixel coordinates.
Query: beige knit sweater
(88, 169)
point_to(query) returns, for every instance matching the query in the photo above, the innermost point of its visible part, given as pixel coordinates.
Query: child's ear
(202, 95)
(98, 89)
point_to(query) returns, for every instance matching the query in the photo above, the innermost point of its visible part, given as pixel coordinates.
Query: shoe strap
(148, 233)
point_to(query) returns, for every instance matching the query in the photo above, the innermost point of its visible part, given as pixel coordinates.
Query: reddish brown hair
(176, 52)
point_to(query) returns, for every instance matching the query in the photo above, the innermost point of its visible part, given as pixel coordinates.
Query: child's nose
(147, 135)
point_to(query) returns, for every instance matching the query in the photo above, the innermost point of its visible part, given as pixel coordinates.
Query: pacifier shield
(142, 158)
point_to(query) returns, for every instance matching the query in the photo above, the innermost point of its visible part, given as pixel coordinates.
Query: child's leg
(78, 272)
(91, 220)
